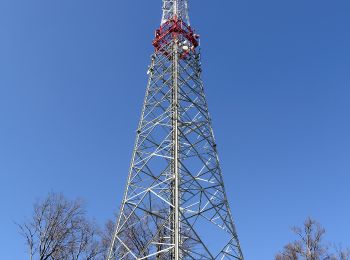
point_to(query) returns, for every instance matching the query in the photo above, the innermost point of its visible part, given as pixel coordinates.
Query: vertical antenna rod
(175, 7)
(176, 145)
(176, 152)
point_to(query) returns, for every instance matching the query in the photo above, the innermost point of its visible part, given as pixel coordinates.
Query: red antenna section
(175, 29)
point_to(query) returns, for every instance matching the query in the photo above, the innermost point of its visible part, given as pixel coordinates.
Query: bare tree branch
(59, 230)
(310, 245)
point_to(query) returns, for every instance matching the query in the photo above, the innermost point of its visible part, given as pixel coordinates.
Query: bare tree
(106, 238)
(135, 237)
(289, 253)
(310, 245)
(140, 232)
(59, 230)
(83, 243)
(342, 254)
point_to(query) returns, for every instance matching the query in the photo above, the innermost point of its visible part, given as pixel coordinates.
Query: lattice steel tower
(175, 205)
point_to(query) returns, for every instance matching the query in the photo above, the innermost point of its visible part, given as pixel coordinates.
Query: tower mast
(175, 205)
(176, 151)
(176, 143)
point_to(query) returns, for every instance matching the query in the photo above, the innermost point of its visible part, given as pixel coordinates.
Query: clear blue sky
(277, 77)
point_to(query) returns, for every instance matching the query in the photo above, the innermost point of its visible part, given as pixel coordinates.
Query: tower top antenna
(178, 8)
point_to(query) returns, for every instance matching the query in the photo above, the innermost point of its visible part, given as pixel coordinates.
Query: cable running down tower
(175, 205)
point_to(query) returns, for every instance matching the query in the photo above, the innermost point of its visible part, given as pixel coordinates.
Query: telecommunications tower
(175, 205)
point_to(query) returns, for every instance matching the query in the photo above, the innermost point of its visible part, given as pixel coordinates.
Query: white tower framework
(175, 205)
